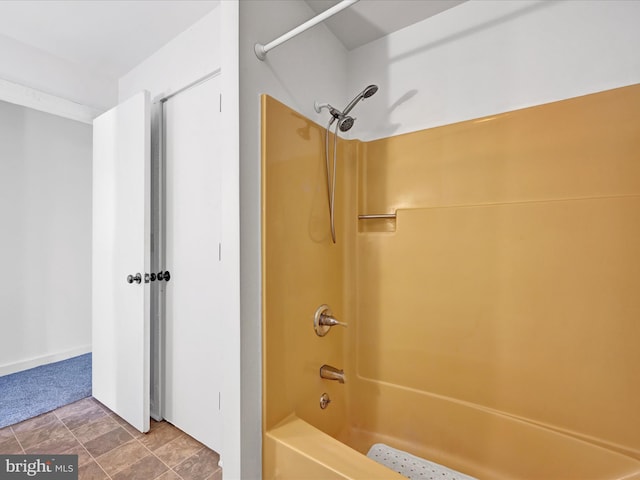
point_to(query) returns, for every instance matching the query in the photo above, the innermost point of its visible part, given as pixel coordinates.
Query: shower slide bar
(261, 50)
(374, 216)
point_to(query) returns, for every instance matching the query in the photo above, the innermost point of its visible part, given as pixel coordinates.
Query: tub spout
(331, 373)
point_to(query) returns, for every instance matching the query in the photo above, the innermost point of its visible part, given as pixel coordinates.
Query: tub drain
(324, 401)
(412, 467)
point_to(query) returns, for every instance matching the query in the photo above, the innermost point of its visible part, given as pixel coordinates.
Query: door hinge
(221, 102)
(219, 252)
(219, 401)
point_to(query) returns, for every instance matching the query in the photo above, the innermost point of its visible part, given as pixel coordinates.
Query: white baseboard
(10, 368)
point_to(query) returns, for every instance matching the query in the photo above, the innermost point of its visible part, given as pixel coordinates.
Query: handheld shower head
(366, 93)
(370, 90)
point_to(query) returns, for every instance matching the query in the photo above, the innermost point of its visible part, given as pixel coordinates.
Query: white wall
(31, 67)
(188, 57)
(45, 191)
(309, 67)
(45, 246)
(486, 57)
(240, 447)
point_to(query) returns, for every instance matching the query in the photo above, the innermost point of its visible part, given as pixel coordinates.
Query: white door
(121, 213)
(192, 375)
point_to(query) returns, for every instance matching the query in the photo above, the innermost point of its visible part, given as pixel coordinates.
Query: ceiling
(105, 36)
(369, 20)
(110, 37)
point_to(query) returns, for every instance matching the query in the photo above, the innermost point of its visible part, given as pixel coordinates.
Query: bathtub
(476, 441)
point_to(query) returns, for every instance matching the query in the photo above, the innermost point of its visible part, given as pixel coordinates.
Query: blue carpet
(41, 389)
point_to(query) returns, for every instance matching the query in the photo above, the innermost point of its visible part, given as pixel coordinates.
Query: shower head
(370, 90)
(366, 93)
(345, 123)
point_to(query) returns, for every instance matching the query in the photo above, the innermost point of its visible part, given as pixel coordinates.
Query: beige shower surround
(493, 325)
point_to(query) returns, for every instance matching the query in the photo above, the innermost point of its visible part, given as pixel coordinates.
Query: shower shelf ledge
(375, 216)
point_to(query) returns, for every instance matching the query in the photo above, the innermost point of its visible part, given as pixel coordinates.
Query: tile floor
(110, 448)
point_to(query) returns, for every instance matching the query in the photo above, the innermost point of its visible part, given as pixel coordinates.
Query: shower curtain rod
(261, 50)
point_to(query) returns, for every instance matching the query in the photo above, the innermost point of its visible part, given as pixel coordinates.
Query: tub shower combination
(488, 272)
(475, 274)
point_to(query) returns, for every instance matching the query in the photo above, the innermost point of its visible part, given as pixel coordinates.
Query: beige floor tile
(108, 448)
(35, 423)
(178, 450)
(59, 442)
(94, 429)
(159, 436)
(107, 442)
(134, 432)
(122, 456)
(217, 475)
(148, 468)
(76, 407)
(92, 471)
(200, 466)
(5, 434)
(55, 432)
(83, 456)
(169, 475)
(101, 405)
(78, 418)
(10, 446)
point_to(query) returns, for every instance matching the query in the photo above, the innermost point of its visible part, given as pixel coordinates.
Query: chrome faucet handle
(330, 321)
(323, 320)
